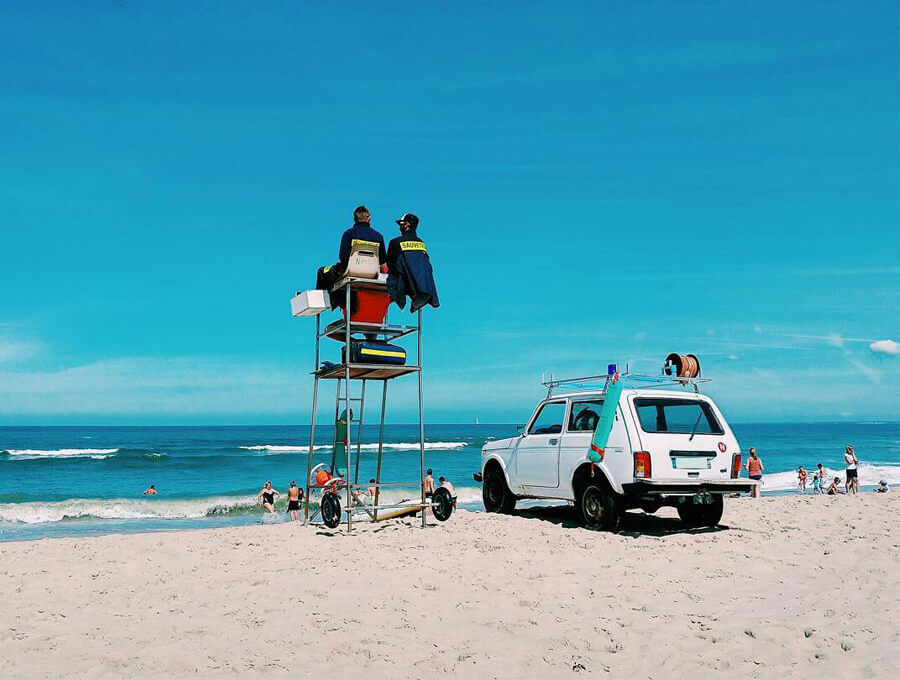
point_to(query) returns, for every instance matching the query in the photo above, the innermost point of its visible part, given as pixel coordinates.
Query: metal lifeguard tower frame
(344, 374)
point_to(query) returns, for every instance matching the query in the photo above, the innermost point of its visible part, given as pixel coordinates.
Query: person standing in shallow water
(851, 484)
(754, 468)
(266, 496)
(295, 495)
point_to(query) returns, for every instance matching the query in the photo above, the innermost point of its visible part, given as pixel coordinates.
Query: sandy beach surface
(794, 586)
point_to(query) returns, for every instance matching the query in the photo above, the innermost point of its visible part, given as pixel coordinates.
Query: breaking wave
(869, 475)
(95, 454)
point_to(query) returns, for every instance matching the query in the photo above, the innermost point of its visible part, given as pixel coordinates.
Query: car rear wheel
(599, 509)
(495, 495)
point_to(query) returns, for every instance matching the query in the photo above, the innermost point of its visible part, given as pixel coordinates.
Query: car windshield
(682, 416)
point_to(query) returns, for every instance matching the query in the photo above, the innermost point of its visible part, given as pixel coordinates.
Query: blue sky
(596, 182)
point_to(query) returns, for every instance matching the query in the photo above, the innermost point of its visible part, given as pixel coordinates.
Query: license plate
(693, 463)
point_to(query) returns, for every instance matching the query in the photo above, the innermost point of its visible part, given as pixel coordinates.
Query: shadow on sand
(634, 523)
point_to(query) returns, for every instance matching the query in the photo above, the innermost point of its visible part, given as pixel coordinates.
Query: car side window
(550, 419)
(585, 415)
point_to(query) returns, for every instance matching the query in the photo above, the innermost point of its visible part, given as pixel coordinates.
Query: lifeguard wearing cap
(410, 273)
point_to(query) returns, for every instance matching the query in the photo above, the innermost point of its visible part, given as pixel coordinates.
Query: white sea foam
(388, 446)
(869, 475)
(122, 508)
(59, 453)
(36, 512)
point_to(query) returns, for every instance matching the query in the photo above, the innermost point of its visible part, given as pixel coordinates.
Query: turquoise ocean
(70, 481)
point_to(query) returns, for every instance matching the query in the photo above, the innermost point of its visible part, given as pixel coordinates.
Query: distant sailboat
(477, 422)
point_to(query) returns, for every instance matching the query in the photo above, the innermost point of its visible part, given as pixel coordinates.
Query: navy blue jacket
(410, 273)
(361, 232)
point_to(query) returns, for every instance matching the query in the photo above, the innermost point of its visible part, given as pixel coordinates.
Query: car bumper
(685, 487)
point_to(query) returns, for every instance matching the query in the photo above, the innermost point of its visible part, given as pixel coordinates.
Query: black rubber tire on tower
(495, 495)
(331, 509)
(441, 504)
(598, 509)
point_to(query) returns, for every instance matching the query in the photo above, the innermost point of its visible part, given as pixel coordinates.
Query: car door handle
(554, 442)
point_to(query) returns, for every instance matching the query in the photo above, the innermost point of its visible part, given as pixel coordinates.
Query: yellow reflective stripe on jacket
(327, 269)
(365, 244)
(413, 245)
(382, 352)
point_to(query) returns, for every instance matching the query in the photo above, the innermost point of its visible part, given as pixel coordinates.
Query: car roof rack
(602, 381)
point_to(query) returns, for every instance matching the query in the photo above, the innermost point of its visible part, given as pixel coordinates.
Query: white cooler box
(310, 303)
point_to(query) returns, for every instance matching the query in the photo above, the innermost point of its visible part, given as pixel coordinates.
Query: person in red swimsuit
(754, 468)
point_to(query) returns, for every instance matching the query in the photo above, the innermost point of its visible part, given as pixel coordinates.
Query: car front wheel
(599, 510)
(495, 494)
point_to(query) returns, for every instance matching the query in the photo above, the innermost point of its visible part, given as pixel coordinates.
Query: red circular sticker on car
(722, 447)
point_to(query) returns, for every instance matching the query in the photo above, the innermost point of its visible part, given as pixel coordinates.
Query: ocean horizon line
(412, 424)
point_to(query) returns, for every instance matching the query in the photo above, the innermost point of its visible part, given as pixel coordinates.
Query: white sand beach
(793, 587)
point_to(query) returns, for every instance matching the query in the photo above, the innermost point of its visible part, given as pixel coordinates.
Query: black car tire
(495, 495)
(599, 510)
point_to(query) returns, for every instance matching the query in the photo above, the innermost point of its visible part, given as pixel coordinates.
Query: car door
(537, 456)
(575, 442)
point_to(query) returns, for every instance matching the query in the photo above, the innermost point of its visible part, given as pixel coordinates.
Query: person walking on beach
(295, 495)
(266, 496)
(851, 484)
(754, 468)
(821, 475)
(429, 484)
(801, 479)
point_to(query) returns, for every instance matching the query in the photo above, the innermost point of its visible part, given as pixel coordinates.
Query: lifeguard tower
(363, 336)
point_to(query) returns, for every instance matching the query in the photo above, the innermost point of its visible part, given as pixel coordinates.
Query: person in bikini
(295, 495)
(801, 479)
(754, 468)
(266, 496)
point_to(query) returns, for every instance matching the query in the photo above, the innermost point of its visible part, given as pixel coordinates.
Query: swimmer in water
(295, 495)
(266, 496)
(151, 491)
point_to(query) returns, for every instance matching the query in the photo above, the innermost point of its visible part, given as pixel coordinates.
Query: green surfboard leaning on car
(607, 418)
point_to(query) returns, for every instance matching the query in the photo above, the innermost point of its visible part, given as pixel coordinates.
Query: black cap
(410, 219)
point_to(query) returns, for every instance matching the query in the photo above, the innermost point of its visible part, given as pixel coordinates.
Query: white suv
(666, 447)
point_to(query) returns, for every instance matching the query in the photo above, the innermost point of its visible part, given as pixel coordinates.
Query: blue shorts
(756, 477)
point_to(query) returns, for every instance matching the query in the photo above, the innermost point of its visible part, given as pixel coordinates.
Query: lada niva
(666, 447)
